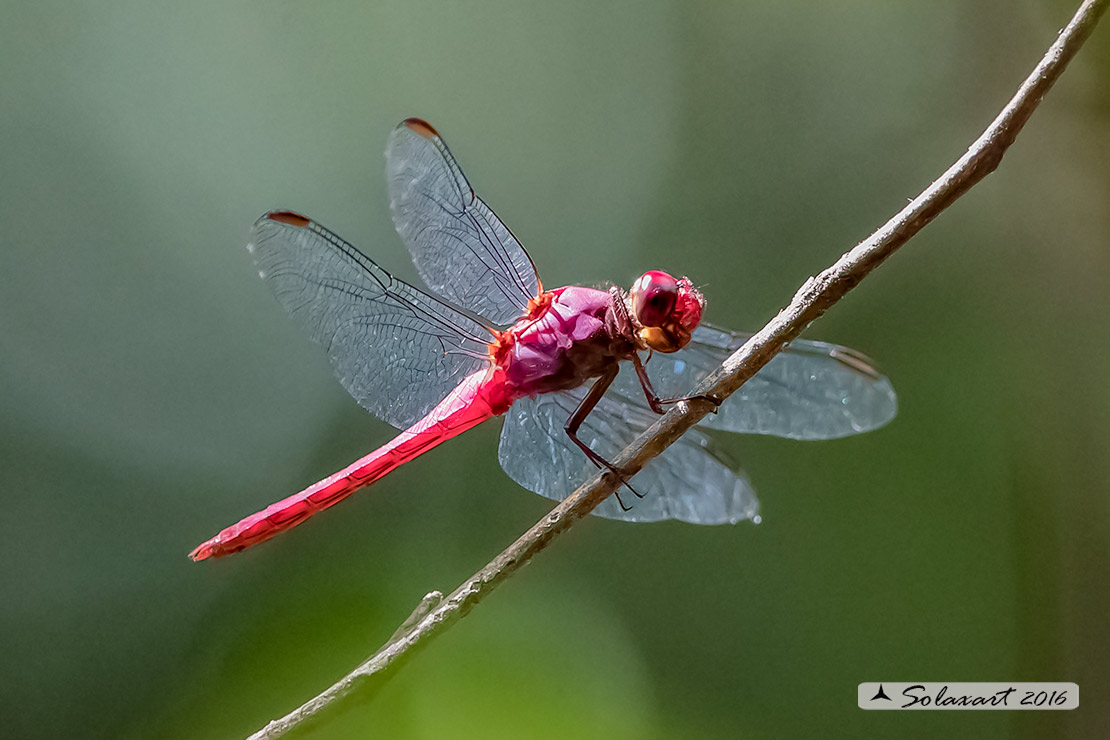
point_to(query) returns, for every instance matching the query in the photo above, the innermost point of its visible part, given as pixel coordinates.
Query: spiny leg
(654, 401)
(574, 423)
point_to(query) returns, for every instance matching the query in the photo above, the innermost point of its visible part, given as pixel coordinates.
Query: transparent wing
(689, 481)
(812, 390)
(397, 350)
(461, 249)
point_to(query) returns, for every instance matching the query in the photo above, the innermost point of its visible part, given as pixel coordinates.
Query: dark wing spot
(859, 362)
(420, 126)
(288, 217)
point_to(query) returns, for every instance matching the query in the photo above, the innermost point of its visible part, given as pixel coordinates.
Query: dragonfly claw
(715, 401)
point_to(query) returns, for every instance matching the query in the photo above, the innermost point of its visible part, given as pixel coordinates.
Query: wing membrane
(812, 390)
(461, 249)
(689, 481)
(396, 349)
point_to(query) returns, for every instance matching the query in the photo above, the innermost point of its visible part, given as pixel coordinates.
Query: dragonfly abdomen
(479, 397)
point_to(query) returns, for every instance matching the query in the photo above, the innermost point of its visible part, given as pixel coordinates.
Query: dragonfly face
(667, 310)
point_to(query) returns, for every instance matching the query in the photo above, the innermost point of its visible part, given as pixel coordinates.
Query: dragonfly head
(666, 309)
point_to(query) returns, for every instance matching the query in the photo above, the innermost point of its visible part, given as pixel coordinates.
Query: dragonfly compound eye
(654, 296)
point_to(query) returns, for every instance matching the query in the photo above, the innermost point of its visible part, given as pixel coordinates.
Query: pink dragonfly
(488, 340)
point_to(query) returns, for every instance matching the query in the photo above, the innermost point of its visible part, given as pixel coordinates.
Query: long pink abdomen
(477, 398)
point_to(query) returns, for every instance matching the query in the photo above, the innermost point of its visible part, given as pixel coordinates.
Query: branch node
(430, 601)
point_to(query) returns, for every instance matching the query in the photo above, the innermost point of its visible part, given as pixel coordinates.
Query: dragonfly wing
(689, 481)
(812, 390)
(396, 349)
(461, 248)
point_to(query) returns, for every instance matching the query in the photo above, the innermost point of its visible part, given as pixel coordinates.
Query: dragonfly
(576, 372)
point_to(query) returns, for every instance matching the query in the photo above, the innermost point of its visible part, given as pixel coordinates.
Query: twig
(818, 293)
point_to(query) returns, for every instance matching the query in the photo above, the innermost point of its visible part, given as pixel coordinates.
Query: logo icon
(880, 694)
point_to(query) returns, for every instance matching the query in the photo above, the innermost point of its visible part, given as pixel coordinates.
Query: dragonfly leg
(654, 401)
(574, 423)
(623, 505)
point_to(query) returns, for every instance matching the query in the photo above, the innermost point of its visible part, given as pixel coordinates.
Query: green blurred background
(154, 392)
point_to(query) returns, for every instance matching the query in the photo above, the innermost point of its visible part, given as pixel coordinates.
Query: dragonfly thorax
(576, 337)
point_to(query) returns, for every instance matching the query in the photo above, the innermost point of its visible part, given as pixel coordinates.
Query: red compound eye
(653, 298)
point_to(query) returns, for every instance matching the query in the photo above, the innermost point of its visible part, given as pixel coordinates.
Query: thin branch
(818, 293)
